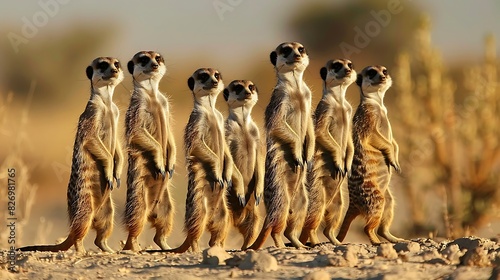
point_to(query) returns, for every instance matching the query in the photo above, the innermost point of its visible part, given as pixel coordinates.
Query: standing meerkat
(375, 151)
(243, 139)
(209, 164)
(97, 159)
(290, 147)
(151, 150)
(334, 152)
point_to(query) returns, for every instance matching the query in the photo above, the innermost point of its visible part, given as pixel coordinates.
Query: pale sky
(180, 28)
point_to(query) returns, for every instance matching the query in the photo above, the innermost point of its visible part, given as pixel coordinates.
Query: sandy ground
(463, 258)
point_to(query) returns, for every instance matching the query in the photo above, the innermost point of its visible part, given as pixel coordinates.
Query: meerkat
(375, 151)
(97, 160)
(334, 152)
(209, 164)
(151, 150)
(290, 147)
(243, 139)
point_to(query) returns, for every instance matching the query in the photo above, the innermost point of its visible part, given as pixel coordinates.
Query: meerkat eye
(349, 65)
(158, 59)
(117, 65)
(336, 66)
(217, 76)
(251, 87)
(286, 51)
(103, 66)
(203, 77)
(144, 60)
(301, 50)
(384, 71)
(238, 88)
(371, 73)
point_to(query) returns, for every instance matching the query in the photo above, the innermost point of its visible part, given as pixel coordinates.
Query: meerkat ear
(90, 72)
(226, 94)
(273, 57)
(323, 72)
(359, 80)
(130, 67)
(191, 83)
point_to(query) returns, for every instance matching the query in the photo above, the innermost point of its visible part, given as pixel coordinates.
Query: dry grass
(449, 136)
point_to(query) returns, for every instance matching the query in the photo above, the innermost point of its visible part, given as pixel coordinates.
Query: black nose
(155, 66)
(114, 70)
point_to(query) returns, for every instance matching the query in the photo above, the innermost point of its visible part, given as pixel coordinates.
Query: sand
(463, 258)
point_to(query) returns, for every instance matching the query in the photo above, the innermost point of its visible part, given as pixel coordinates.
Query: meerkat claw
(309, 165)
(242, 200)
(118, 182)
(257, 199)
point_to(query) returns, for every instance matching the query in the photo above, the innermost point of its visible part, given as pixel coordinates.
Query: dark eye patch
(384, 72)
(371, 73)
(286, 51)
(117, 65)
(103, 65)
(217, 76)
(251, 87)
(203, 77)
(302, 50)
(159, 59)
(350, 65)
(336, 66)
(238, 88)
(143, 60)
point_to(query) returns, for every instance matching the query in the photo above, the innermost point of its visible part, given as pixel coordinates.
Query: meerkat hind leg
(332, 218)
(372, 223)
(387, 218)
(218, 225)
(103, 224)
(164, 220)
(135, 216)
(249, 228)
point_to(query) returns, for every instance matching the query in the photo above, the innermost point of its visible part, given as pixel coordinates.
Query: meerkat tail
(261, 239)
(350, 215)
(64, 246)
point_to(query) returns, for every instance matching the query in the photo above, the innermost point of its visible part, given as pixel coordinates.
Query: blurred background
(444, 104)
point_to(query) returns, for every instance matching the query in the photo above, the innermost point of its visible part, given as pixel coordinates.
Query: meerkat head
(338, 72)
(206, 81)
(289, 56)
(374, 79)
(104, 71)
(241, 93)
(147, 65)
